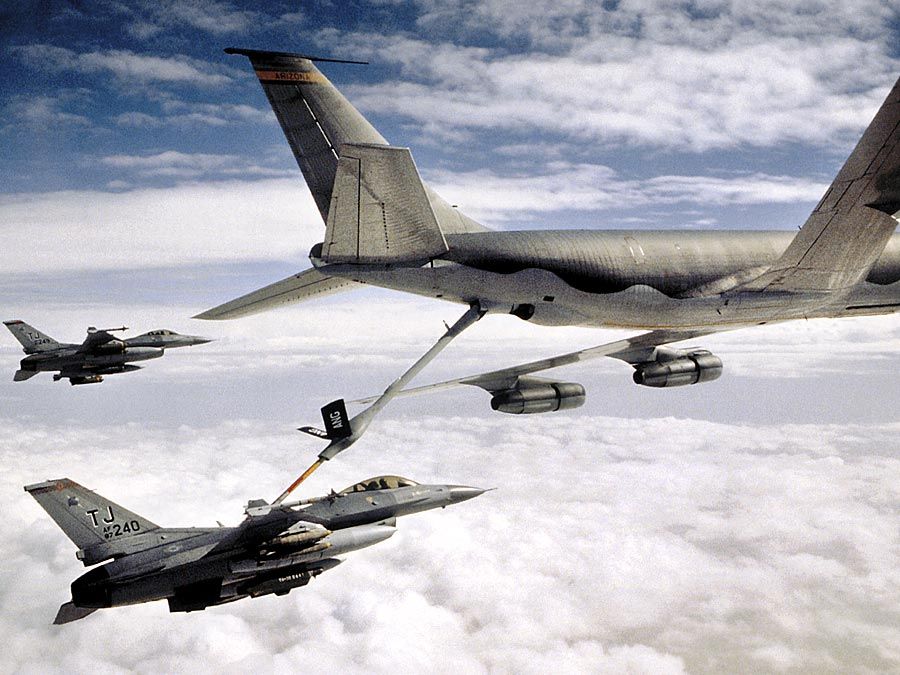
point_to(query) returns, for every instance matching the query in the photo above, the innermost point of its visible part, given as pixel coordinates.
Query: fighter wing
(633, 350)
(99, 336)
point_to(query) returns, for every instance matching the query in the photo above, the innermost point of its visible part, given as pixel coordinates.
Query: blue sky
(727, 107)
(746, 524)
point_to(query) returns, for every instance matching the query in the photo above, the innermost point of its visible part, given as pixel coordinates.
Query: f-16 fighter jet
(100, 354)
(276, 548)
(386, 227)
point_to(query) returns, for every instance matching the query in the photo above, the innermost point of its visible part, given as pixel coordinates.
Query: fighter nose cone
(191, 340)
(460, 493)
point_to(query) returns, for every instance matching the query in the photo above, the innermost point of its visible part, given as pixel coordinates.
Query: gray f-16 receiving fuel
(384, 226)
(277, 547)
(100, 354)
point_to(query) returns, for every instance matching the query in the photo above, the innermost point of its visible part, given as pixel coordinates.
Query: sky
(746, 524)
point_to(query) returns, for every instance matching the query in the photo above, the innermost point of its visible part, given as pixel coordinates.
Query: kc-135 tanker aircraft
(384, 226)
(100, 354)
(276, 548)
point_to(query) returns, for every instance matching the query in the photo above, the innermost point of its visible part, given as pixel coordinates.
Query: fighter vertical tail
(33, 341)
(99, 527)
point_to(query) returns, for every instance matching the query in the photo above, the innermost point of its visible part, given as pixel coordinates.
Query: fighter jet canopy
(379, 483)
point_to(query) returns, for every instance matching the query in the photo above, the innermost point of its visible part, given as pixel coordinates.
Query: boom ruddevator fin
(853, 222)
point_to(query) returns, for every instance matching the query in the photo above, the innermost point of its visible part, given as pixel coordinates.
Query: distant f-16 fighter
(276, 548)
(385, 226)
(100, 354)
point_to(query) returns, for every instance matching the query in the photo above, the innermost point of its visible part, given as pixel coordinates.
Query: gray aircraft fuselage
(386, 227)
(100, 354)
(634, 279)
(276, 548)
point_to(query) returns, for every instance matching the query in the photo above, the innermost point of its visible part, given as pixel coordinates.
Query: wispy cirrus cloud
(590, 187)
(179, 113)
(679, 76)
(123, 64)
(44, 111)
(149, 19)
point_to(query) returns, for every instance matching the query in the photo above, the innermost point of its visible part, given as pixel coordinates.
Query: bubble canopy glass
(379, 483)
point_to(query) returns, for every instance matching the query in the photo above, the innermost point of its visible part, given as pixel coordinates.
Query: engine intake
(539, 398)
(679, 368)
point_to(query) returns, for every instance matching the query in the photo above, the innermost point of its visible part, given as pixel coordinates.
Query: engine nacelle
(679, 369)
(539, 398)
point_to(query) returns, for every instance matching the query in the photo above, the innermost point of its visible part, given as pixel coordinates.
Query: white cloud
(217, 114)
(659, 543)
(645, 73)
(43, 112)
(275, 218)
(137, 119)
(654, 545)
(189, 165)
(223, 221)
(168, 159)
(218, 18)
(147, 19)
(566, 186)
(123, 64)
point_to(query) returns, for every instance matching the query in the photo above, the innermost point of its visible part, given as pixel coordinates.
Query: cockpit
(379, 483)
(161, 332)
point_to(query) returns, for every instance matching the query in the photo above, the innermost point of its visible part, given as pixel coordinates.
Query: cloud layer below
(657, 545)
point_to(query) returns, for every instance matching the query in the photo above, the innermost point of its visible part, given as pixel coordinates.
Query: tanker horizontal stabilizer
(305, 285)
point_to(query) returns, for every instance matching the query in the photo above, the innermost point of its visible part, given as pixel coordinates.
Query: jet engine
(538, 396)
(678, 367)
